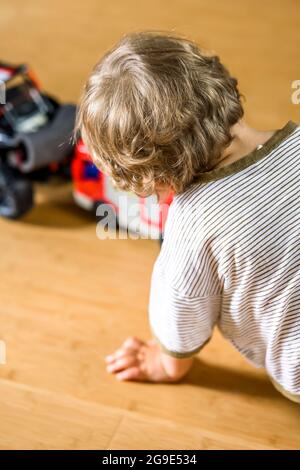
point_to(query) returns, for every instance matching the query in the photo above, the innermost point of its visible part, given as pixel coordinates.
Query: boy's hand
(143, 361)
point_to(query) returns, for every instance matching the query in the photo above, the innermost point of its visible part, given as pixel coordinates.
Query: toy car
(92, 189)
(35, 137)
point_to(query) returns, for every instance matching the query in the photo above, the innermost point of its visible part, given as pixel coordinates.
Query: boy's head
(157, 111)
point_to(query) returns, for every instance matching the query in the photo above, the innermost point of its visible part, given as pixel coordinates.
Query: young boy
(159, 114)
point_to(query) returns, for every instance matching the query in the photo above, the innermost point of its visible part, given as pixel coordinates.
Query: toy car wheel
(16, 197)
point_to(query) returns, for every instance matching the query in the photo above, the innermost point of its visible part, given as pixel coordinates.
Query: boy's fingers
(116, 355)
(133, 343)
(130, 344)
(122, 363)
(133, 373)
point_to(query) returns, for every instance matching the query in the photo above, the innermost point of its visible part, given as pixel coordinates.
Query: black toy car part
(35, 134)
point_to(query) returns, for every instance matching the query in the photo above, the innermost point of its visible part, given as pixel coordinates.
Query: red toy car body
(91, 187)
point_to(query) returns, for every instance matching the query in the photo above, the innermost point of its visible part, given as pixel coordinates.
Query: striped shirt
(230, 258)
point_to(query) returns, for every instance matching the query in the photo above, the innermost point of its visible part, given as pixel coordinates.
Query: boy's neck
(245, 140)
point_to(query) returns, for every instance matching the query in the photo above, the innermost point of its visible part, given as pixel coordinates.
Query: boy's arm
(145, 361)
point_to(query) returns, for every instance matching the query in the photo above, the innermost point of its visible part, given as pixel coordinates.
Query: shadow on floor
(226, 379)
(64, 214)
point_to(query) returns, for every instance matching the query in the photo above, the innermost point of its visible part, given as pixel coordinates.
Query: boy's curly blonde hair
(157, 109)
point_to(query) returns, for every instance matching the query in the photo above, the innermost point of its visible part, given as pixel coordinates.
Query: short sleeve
(185, 292)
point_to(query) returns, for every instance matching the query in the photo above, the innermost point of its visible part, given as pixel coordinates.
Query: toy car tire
(16, 198)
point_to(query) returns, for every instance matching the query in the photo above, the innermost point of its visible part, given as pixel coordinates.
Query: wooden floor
(67, 299)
